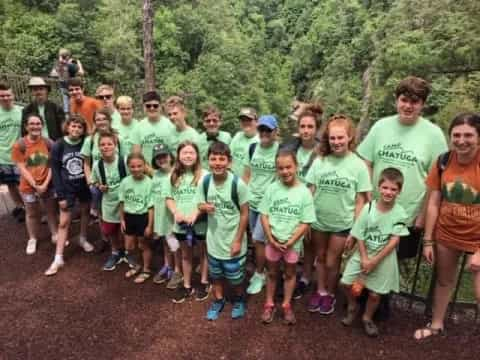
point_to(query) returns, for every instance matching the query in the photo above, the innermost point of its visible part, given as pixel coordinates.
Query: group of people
(314, 198)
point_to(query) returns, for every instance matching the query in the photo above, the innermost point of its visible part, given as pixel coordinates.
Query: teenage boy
(223, 196)
(106, 96)
(242, 139)
(178, 116)
(81, 104)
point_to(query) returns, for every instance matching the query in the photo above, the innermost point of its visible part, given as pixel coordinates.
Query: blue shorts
(232, 269)
(256, 226)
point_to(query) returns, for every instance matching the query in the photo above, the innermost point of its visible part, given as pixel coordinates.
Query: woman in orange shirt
(453, 215)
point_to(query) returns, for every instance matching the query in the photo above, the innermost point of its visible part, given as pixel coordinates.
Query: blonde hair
(102, 88)
(124, 100)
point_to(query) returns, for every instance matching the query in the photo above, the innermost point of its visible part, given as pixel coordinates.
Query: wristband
(428, 242)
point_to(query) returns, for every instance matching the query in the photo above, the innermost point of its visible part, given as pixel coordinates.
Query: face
(464, 139)
(63, 59)
(126, 112)
(212, 123)
(76, 93)
(6, 99)
(307, 128)
(248, 126)
(106, 97)
(338, 139)
(163, 162)
(218, 164)
(107, 146)
(152, 109)
(286, 169)
(388, 191)
(101, 122)
(34, 126)
(176, 115)
(267, 135)
(188, 156)
(39, 93)
(409, 109)
(75, 130)
(137, 168)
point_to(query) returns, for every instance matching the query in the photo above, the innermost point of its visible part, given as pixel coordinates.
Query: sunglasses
(104, 97)
(265, 129)
(152, 106)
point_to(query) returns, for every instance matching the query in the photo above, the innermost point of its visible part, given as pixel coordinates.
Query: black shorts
(135, 224)
(409, 245)
(183, 237)
(9, 174)
(83, 196)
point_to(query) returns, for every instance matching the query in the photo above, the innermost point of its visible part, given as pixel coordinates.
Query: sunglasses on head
(104, 97)
(152, 106)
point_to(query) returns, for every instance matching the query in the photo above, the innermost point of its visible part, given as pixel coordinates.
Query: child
(339, 180)
(212, 120)
(136, 216)
(287, 210)
(127, 123)
(374, 263)
(31, 155)
(181, 189)
(223, 196)
(107, 174)
(70, 185)
(183, 132)
(162, 162)
(243, 139)
(259, 174)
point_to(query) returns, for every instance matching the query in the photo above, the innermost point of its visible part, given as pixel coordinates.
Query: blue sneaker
(238, 309)
(215, 309)
(112, 262)
(164, 275)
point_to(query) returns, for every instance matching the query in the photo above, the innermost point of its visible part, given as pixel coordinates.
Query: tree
(148, 45)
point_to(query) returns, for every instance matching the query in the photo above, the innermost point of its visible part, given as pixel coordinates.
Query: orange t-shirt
(86, 109)
(35, 157)
(458, 223)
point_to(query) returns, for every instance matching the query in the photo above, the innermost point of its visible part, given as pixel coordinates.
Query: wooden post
(148, 54)
(364, 123)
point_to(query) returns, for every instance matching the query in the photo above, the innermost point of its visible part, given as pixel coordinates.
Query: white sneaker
(85, 245)
(54, 239)
(54, 267)
(31, 246)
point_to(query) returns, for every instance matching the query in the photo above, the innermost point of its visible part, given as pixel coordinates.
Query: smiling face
(34, 126)
(219, 164)
(177, 116)
(464, 140)
(267, 136)
(409, 109)
(126, 113)
(76, 93)
(286, 169)
(163, 162)
(40, 94)
(101, 122)
(188, 156)
(338, 140)
(248, 126)
(152, 110)
(212, 123)
(75, 130)
(137, 168)
(106, 97)
(307, 128)
(107, 146)
(6, 99)
(389, 191)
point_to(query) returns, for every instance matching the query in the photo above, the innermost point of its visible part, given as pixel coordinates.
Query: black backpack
(121, 170)
(293, 146)
(234, 191)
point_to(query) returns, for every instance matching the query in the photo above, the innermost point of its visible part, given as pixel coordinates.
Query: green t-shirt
(110, 199)
(92, 151)
(375, 228)
(223, 223)
(125, 134)
(136, 195)
(163, 221)
(116, 120)
(189, 134)
(204, 144)
(303, 156)
(286, 208)
(41, 112)
(411, 149)
(337, 181)
(263, 168)
(147, 134)
(185, 200)
(239, 149)
(10, 124)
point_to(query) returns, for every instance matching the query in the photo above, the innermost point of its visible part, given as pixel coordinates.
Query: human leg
(320, 242)
(32, 222)
(370, 308)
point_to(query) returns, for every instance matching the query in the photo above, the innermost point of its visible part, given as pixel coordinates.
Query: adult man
(410, 143)
(52, 114)
(153, 129)
(106, 95)
(81, 104)
(10, 123)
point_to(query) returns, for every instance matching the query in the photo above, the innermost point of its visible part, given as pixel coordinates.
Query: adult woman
(452, 225)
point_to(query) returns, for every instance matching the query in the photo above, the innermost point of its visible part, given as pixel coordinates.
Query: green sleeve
(310, 178)
(228, 138)
(121, 191)
(168, 188)
(199, 195)
(149, 195)
(135, 137)
(399, 227)
(359, 226)
(265, 203)
(439, 146)
(308, 210)
(364, 183)
(87, 147)
(242, 192)
(366, 149)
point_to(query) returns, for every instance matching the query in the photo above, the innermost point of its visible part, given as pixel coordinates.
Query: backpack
(251, 150)
(442, 162)
(91, 145)
(234, 191)
(121, 170)
(23, 145)
(294, 146)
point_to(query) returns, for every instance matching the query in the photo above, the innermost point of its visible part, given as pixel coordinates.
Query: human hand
(420, 222)
(209, 208)
(474, 262)
(190, 220)
(179, 218)
(123, 227)
(148, 232)
(235, 248)
(103, 188)
(349, 243)
(62, 204)
(368, 265)
(428, 254)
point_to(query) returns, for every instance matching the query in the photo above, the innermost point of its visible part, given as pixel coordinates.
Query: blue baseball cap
(269, 121)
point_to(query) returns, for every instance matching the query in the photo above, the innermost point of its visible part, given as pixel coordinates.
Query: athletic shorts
(109, 229)
(409, 245)
(232, 270)
(135, 224)
(32, 198)
(82, 197)
(183, 237)
(9, 174)
(256, 226)
(341, 233)
(274, 255)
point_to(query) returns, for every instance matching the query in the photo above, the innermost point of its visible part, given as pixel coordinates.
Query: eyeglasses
(104, 97)
(152, 106)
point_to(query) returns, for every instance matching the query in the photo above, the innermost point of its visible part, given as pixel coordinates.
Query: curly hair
(337, 120)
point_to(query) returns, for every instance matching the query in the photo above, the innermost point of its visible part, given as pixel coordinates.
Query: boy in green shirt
(223, 196)
(183, 132)
(242, 139)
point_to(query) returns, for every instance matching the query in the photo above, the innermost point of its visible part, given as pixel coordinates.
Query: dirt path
(84, 313)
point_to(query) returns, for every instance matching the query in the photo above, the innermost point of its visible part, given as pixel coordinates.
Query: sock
(82, 238)
(304, 280)
(115, 252)
(322, 292)
(58, 258)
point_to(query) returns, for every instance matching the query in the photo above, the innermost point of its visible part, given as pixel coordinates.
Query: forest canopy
(263, 53)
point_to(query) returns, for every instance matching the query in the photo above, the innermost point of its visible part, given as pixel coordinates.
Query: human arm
(177, 217)
(370, 264)
(474, 261)
(87, 169)
(122, 217)
(81, 71)
(432, 211)
(149, 229)
(247, 173)
(360, 200)
(242, 227)
(300, 231)
(267, 229)
(42, 188)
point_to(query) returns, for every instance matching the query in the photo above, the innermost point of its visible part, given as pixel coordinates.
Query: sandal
(427, 332)
(132, 272)
(142, 277)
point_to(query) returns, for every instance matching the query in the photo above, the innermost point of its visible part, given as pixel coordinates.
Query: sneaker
(85, 245)
(268, 313)
(215, 309)
(370, 328)
(202, 292)
(175, 281)
(314, 302)
(350, 316)
(327, 306)
(130, 260)
(112, 262)
(163, 275)
(182, 294)
(300, 290)
(288, 315)
(54, 267)
(257, 281)
(238, 308)
(31, 246)
(100, 246)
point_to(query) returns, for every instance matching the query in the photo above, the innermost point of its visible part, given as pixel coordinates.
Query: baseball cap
(268, 121)
(248, 113)
(159, 150)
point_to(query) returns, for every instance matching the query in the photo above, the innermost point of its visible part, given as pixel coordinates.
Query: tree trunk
(148, 54)
(364, 123)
